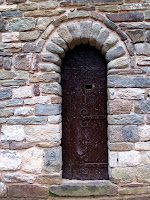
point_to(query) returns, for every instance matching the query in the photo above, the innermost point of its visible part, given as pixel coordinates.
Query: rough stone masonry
(34, 37)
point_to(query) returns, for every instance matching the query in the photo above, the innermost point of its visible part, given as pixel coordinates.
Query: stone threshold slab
(77, 188)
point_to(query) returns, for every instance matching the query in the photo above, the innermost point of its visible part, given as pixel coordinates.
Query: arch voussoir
(85, 27)
(114, 53)
(96, 27)
(109, 43)
(60, 42)
(64, 33)
(103, 35)
(75, 31)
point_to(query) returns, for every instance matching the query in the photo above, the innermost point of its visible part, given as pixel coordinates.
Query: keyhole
(89, 87)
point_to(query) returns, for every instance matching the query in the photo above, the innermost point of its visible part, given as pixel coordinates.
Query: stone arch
(75, 32)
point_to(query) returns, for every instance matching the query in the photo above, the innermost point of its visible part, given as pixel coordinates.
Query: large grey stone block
(13, 83)
(142, 106)
(27, 120)
(6, 112)
(51, 88)
(118, 133)
(53, 159)
(22, 24)
(143, 173)
(142, 48)
(128, 81)
(50, 77)
(10, 160)
(22, 61)
(122, 174)
(126, 119)
(5, 94)
(47, 109)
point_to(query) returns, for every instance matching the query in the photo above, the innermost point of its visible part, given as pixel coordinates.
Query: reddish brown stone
(27, 191)
(110, 24)
(36, 90)
(20, 145)
(15, 1)
(29, 47)
(56, 100)
(4, 145)
(97, 16)
(126, 17)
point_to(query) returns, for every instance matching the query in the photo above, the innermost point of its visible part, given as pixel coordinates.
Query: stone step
(74, 188)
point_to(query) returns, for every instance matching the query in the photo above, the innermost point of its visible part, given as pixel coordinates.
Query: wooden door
(84, 112)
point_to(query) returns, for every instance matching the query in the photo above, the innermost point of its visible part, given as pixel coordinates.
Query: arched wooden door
(84, 112)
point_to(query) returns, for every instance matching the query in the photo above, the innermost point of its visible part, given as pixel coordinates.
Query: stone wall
(34, 36)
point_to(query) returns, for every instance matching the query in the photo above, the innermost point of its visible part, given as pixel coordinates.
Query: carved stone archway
(77, 32)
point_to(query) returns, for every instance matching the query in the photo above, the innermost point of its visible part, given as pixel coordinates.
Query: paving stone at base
(100, 188)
